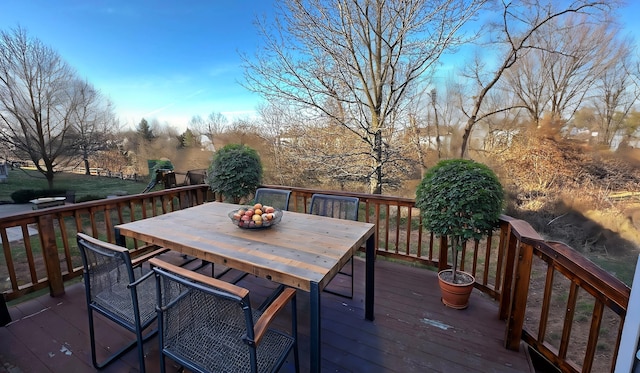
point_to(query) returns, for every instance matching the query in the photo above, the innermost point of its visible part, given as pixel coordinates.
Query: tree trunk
(454, 252)
(376, 179)
(467, 132)
(435, 113)
(49, 176)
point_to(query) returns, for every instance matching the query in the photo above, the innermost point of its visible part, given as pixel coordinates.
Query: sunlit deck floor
(412, 331)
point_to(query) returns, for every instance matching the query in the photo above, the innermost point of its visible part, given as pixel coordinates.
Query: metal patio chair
(121, 290)
(208, 325)
(339, 207)
(277, 198)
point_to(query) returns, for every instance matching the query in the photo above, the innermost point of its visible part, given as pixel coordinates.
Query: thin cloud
(161, 109)
(221, 70)
(174, 103)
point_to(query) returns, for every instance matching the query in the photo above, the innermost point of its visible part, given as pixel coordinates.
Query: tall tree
(188, 139)
(145, 131)
(93, 122)
(571, 55)
(37, 99)
(615, 94)
(355, 62)
(515, 32)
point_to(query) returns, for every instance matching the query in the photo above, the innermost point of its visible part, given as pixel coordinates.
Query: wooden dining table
(303, 251)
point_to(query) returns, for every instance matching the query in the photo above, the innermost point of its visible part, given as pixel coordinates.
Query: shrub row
(26, 195)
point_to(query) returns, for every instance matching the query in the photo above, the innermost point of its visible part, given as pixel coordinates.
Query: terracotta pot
(455, 295)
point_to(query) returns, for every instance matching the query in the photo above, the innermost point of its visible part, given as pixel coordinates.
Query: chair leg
(294, 332)
(352, 260)
(141, 340)
(126, 348)
(349, 295)
(271, 297)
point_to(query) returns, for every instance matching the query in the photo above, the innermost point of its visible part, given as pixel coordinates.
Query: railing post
(50, 255)
(628, 358)
(511, 263)
(519, 294)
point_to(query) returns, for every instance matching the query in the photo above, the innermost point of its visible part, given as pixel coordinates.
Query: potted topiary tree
(461, 200)
(235, 172)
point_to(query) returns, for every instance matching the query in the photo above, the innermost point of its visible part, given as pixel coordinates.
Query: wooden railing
(566, 308)
(44, 253)
(562, 305)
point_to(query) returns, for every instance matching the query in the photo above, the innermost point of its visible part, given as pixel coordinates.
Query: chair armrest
(143, 258)
(260, 327)
(140, 280)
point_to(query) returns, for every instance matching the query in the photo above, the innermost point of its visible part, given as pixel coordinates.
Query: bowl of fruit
(256, 216)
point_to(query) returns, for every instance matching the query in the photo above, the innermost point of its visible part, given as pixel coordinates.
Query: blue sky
(160, 59)
(153, 58)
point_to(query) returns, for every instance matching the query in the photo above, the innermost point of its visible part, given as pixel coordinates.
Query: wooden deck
(412, 331)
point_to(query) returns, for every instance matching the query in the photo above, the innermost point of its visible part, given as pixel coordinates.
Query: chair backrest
(205, 324)
(277, 198)
(108, 273)
(340, 207)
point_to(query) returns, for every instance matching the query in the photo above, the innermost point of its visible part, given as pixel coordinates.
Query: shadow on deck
(412, 331)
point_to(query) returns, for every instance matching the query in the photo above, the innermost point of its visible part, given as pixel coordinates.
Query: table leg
(315, 327)
(120, 239)
(369, 278)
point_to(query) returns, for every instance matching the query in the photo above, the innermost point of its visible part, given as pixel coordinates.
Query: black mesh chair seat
(119, 289)
(207, 325)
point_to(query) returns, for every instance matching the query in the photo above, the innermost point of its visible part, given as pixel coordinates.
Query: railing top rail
(580, 268)
(11, 219)
(521, 229)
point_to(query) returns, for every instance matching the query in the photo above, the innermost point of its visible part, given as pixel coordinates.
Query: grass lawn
(83, 185)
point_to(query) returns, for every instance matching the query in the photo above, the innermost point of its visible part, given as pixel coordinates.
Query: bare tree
(273, 127)
(415, 138)
(93, 122)
(354, 61)
(615, 95)
(242, 130)
(423, 129)
(570, 55)
(520, 23)
(36, 100)
(211, 127)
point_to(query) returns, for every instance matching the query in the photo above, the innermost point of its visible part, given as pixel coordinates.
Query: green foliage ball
(235, 172)
(460, 198)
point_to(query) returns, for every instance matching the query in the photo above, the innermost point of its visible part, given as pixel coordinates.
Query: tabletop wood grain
(301, 249)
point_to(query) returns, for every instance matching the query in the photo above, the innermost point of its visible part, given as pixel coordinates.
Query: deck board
(412, 330)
